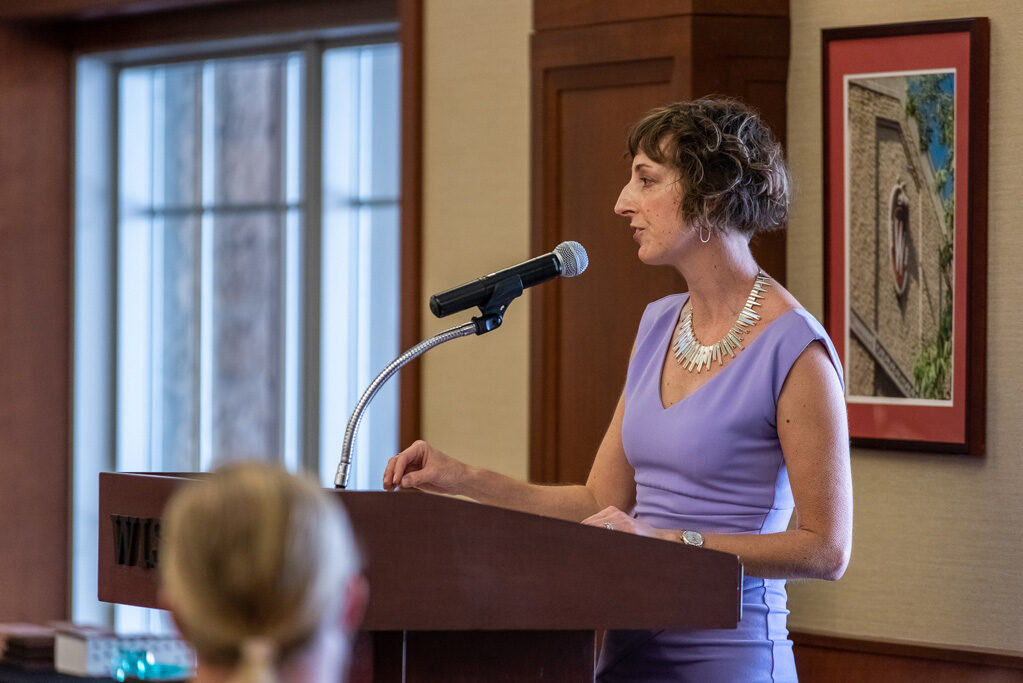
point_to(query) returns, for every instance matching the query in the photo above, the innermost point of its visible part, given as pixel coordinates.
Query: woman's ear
(356, 600)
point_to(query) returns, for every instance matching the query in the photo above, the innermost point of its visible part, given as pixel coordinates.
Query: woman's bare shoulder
(777, 302)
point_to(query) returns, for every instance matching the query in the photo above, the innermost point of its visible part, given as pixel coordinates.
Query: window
(236, 267)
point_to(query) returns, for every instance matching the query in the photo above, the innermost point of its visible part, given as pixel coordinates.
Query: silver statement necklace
(691, 354)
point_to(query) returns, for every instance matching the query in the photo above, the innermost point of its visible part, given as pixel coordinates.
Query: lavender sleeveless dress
(712, 462)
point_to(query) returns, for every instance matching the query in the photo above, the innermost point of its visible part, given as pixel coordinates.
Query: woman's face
(650, 200)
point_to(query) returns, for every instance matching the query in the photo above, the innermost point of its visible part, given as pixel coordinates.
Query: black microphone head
(573, 258)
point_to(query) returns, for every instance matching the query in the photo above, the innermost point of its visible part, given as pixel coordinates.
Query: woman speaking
(732, 416)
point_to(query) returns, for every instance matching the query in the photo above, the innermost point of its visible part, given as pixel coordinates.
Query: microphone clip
(492, 313)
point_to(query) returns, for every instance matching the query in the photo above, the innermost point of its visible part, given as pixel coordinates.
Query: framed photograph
(905, 234)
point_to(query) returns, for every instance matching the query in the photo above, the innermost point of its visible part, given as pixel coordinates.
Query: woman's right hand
(421, 466)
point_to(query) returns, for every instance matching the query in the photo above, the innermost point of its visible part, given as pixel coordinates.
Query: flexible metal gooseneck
(345, 466)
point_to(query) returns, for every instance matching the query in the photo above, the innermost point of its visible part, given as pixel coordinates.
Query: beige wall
(476, 221)
(938, 547)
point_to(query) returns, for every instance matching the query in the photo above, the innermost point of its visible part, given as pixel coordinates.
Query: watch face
(692, 538)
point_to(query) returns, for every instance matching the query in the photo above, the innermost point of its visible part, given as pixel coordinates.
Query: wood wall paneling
(35, 280)
(590, 352)
(747, 57)
(589, 84)
(90, 9)
(550, 14)
(823, 658)
(587, 89)
(410, 17)
(228, 20)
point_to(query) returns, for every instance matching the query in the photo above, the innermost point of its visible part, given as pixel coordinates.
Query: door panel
(590, 83)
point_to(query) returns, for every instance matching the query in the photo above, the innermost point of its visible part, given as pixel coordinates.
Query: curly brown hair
(731, 168)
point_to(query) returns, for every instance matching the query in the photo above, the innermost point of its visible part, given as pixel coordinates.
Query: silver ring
(609, 526)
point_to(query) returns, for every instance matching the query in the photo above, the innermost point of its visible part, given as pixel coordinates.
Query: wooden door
(596, 67)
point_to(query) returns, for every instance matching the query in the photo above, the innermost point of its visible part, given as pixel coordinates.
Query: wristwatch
(693, 538)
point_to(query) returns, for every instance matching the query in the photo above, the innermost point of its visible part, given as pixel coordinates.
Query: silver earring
(702, 238)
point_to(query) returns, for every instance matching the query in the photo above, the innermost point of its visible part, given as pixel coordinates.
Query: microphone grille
(573, 258)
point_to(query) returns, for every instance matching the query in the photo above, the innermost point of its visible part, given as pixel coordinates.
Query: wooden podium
(461, 591)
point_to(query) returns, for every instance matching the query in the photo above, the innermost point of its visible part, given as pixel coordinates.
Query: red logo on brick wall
(898, 232)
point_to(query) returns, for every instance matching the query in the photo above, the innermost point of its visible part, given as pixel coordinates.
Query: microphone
(568, 260)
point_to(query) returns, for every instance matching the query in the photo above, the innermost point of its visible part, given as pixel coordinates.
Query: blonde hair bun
(254, 560)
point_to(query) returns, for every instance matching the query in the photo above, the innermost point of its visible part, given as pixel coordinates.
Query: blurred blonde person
(261, 574)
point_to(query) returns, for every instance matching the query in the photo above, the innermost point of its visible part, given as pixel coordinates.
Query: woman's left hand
(620, 521)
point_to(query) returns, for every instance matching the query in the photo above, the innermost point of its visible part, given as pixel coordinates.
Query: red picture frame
(905, 113)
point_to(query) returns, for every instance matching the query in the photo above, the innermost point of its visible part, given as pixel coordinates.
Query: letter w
(125, 539)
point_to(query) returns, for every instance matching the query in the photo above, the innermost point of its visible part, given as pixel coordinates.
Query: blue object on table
(141, 665)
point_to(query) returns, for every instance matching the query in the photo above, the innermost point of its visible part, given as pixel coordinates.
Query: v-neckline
(666, 350)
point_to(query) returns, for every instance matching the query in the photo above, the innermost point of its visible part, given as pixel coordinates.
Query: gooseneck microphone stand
(490, 318)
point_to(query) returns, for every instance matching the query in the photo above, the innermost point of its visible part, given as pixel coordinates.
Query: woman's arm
(610, 483)
(814, 434)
